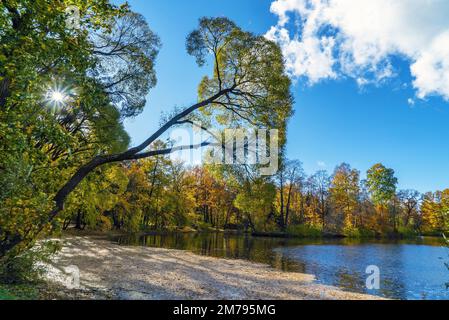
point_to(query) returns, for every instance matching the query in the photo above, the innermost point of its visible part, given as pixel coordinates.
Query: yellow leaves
(435, 211)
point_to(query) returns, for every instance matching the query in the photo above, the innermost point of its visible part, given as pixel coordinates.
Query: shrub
(358, 233)
(305, 231)
(407, 232)
(29, 266)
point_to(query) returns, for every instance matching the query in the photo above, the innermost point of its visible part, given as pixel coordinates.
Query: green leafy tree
(59, 106)
(255, 200)
(381, 183)
(248, 85)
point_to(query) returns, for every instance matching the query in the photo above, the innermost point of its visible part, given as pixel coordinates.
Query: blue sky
(335, 120)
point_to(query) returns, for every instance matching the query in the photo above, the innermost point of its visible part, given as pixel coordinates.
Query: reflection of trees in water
(344, 268)
(219, 245)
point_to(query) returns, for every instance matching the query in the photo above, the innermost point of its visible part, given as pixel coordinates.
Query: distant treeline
(160, 194)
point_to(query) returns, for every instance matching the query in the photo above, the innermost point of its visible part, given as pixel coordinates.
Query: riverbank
(299, 232)
(110, 271)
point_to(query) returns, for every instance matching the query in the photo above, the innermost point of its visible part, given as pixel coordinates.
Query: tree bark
(131, 154)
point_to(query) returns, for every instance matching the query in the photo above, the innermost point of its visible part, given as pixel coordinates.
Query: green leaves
(40, 147)
(250, 67)
(211, 36)
(124, 64)
(381, 183)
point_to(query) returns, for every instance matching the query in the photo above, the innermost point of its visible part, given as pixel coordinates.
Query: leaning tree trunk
(12, 242)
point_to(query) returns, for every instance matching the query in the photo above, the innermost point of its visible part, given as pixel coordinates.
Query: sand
(110, 271)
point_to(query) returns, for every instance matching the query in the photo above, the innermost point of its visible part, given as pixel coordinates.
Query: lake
(409, 269)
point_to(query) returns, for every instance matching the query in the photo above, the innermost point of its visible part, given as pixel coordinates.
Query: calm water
(408, 269)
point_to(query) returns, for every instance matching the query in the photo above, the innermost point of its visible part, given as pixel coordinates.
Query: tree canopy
(64, 93)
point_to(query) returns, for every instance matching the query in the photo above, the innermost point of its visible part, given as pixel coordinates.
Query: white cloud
(357, 38)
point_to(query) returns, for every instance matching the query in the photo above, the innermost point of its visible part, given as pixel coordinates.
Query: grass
(18, 292)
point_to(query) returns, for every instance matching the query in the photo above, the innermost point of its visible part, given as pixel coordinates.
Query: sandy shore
(110, 271)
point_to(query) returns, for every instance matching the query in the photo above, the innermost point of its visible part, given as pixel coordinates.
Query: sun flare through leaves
(58, 96)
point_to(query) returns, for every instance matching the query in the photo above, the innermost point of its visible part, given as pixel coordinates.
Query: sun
(58, 97)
